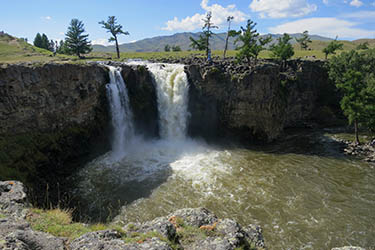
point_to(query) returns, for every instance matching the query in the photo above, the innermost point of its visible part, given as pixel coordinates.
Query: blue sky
(349, 19)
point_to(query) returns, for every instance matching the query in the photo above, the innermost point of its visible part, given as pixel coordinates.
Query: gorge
(188, 136)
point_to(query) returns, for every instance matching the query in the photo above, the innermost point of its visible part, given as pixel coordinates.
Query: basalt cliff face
(50, 116)
(260, 101)
(49, 97)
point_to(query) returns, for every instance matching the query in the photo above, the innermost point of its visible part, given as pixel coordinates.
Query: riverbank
(22, 227)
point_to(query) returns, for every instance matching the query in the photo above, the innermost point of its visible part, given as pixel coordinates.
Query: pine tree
(38, 40)
(203, 43)
(167, 48)
(115, 29)
(332, 47)
(252, 44)
(199, 44)
(45, 42)
(75, 40)
(283, 50)
(304, 40)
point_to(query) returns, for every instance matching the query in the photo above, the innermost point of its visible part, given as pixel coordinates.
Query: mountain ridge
(158, 43)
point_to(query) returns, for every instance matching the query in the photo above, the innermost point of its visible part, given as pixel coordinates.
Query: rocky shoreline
(190, 228)
(365, 151)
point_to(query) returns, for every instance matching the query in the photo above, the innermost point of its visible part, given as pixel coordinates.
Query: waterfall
(172, 97)
(122, 117)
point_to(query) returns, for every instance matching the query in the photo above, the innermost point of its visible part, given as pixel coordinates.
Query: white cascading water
(122, 117)
(172, 97)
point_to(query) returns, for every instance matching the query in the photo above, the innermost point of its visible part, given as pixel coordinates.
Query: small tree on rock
(332, 47)
(304, 40)
(115, 29)
(75, 40)
(283, 50)
(252, 44)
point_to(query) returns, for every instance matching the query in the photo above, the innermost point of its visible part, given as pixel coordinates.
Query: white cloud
(369, 15)
(101, 41)
(282, 8)
(325, 2)
(325, 26)
(356, 3)
(373, 4)
(46, 18)
(219, 17)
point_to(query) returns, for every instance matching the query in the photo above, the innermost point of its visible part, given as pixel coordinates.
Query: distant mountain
(182, 39)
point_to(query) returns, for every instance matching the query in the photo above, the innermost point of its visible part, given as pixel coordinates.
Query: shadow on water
(309, 142)
(100, 196)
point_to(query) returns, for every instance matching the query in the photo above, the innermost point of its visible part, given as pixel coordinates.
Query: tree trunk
(326, 56)
(226, 45)
(117, 49)
(356, 132)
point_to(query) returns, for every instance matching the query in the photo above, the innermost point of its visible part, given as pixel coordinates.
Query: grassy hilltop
(13, 50)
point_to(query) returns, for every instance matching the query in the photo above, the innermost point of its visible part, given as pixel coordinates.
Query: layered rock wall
(258, 101)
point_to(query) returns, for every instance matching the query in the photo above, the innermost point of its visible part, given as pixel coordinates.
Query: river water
(302, 191)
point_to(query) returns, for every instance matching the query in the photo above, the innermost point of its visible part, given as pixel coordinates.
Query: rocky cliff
(257, 101)
(50, 116)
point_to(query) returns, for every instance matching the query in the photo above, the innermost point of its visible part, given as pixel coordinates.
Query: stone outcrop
(184, 229)
(258, 101)
(51, 115)
(49, 97)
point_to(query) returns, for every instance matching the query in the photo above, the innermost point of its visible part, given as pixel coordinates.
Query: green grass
(14, 50)
(59, 223)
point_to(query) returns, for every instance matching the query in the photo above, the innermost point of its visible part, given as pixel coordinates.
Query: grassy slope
(14, 50)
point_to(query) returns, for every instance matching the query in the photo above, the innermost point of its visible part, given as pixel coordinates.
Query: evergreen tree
(75, 40)
(51, 46)
(283, 50)
(304, 40)
(38, 40)
(176, 48)
(199, 44)
(203, 43)
(45, 42)
(63, 48)
(252, 44)
(115, 29)
(363, 46)
(332, 47)
(167, 48)
(353, 74)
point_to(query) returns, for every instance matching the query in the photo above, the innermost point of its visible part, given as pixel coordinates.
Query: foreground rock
(184, 229)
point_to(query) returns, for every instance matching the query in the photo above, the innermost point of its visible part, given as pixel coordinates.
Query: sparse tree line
(76, 42)
(248, 40)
